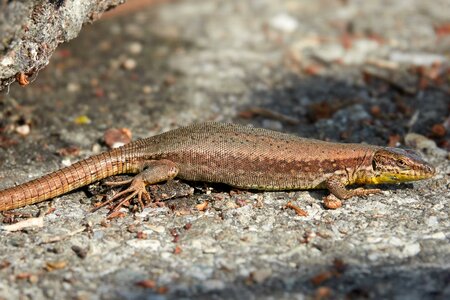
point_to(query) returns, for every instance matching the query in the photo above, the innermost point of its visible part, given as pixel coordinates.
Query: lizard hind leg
(153, 171)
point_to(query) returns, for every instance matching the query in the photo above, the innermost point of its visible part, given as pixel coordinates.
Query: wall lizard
(240, 156)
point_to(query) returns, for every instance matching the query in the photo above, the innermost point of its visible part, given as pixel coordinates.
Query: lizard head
(393, 165)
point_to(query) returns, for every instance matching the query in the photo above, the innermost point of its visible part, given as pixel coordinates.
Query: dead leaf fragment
(202, 206)
(141, 235)
(394, 140)
(116, 214)
(321, 277)
(323, 292)
(24, 275)
(442, 30)
(297, 209)
(69, 151)
(438, 130)
(22, 79)
(177, 250)
(57, 265)
(147, 283)
(162, 290)
(116, 137)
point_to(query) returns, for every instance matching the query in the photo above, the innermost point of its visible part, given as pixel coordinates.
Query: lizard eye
(401, 163)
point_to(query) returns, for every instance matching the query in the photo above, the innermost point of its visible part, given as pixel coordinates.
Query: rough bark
(30, 31)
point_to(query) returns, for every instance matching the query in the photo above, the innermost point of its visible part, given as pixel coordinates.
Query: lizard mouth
(387, 177)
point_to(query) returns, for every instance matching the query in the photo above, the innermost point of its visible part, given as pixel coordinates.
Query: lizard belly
(262, 177)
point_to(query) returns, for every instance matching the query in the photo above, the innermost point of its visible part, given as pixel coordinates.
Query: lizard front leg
(338, 192)
(152, 171)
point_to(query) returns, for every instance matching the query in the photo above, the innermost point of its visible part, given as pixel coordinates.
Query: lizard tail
(67, 179)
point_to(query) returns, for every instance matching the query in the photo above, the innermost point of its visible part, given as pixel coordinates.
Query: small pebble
(418, 141)
(146, 89)
(129, 64)
(417, 59)
(66, 162)
(6, 61)
(210, 250)
(23, 130)
(135, 48)
(156, 228)
(432, 221)
(439, 130)
(33, 279)
(261, 275)
(96, 148)
(73, 87)
(284, 22)
(411, 250)
(438, 236)
(148, 245)
(79, 251)
(104, 46)
(213, 285)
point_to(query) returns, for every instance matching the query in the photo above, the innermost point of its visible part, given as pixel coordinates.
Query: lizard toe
(118, 183)
(137, 188)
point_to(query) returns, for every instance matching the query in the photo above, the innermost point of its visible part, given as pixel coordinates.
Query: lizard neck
(363, 171)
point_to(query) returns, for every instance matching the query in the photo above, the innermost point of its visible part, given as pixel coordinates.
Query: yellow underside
(390, 178)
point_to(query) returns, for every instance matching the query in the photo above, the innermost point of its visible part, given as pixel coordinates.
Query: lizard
(240, 156)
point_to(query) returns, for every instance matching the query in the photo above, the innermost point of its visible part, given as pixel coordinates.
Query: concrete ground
(375, 72)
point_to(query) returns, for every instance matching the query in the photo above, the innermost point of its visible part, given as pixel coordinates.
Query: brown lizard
(240, 156)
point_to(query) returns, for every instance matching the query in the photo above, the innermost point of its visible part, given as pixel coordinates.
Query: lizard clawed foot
(333, 202)
(137, 188)
(152, 172)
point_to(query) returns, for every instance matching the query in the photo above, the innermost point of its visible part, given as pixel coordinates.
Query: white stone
(135, 48)
(210, 250)
(155, 228)
(436, 236)
(66, 162)
(418, 59)
(129, 64)
(395, 241)
(197, 244)
(73, 87)
(23, 130)
(374, 239)
(284, 22)
(261, 275)
(6, 61)
(152, 245)
(330, 53)
(411, 249)
(213, 285)
(432, 221)
(373, 256)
